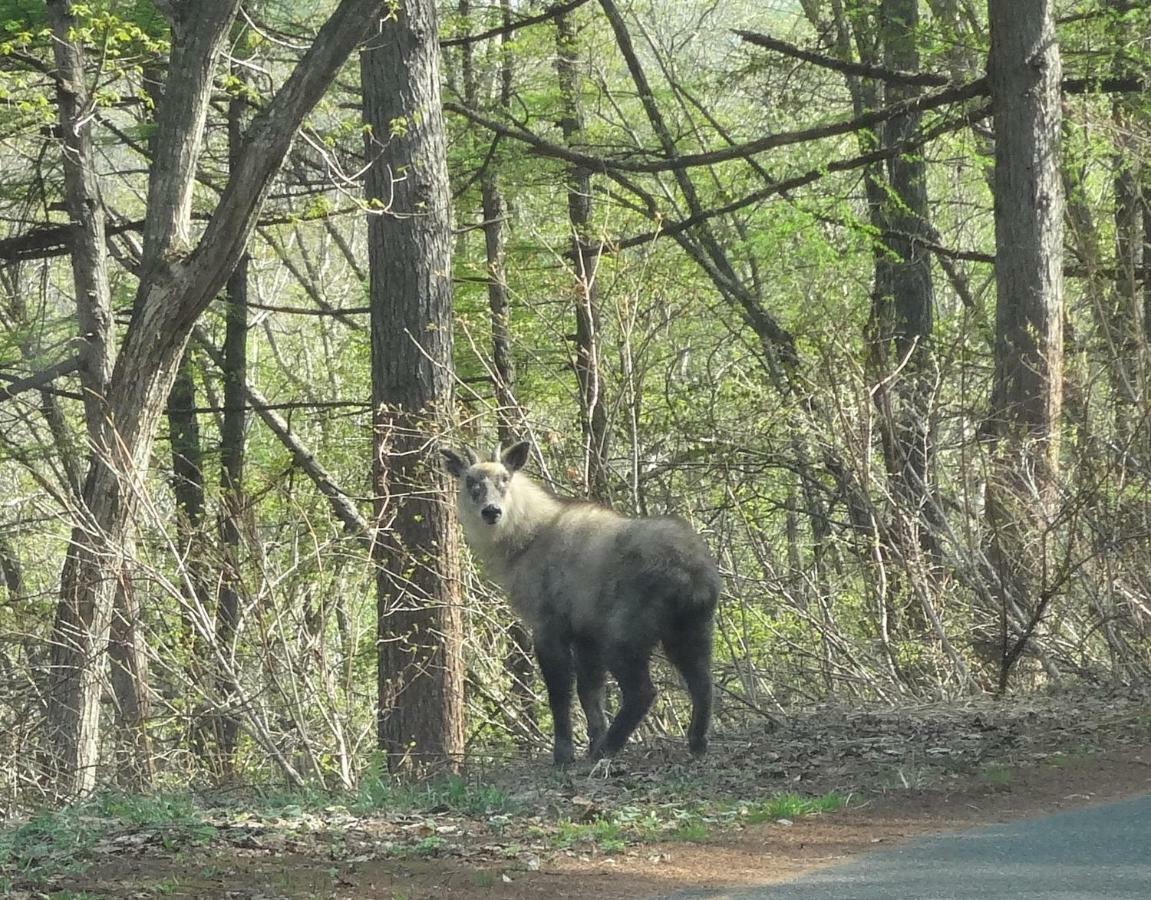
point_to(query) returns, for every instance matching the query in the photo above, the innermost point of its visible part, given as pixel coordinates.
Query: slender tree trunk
(910, 304)
(188, 474)
(585, 252)
(420, 664)
(1125, 330)
(1146, 213)
(235, 374)
(1024, 70)
(494, 212)
(136, 768)
(79, 636)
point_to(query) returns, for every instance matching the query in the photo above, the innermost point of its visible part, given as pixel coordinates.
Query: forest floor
(764, 806)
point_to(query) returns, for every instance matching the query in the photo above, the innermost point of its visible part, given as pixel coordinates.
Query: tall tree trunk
(494, 212)
(1024, 70)
(585, 253)
(1125, 330)
(235, 375)
(420, 703)
(899, 332)
(188, 478)
(175, 288)
(908, 307)
(79, 637)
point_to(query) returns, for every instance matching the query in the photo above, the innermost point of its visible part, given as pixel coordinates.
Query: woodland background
(876, 321)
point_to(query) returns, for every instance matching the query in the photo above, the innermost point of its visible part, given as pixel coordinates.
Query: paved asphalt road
(1099, 852)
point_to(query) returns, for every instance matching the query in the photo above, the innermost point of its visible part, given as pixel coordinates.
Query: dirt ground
(903, 772)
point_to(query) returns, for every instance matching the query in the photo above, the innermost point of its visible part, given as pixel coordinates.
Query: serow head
(484, 486)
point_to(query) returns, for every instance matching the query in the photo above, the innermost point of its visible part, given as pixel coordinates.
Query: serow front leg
(555, 658)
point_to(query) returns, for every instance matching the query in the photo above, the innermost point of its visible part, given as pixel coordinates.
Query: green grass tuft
(793, 806)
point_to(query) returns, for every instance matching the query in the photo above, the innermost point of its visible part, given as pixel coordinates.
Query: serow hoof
(563, 753)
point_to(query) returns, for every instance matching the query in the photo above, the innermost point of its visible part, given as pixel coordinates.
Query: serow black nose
(491, 514)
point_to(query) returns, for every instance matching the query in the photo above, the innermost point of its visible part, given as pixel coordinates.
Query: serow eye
(470, 482)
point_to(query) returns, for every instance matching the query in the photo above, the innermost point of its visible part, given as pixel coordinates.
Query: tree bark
(420, 664)
(235, 375)
(494, 213)
(585, 253)
(906, 299)
(79, 636)
(1125, 332)
(1024, 71)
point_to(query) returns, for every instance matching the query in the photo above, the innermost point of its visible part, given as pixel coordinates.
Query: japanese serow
(599, 591)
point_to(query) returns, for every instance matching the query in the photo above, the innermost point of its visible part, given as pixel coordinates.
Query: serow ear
(516, 456)
(453, 462)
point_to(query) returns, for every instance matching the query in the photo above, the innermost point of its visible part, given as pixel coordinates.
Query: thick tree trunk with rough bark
(1024, 70)
(79, 635)
(420, 711)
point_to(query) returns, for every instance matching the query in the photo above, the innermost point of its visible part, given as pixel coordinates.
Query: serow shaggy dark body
(599, 592)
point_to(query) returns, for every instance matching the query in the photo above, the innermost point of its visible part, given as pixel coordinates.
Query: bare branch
(39, 379)
(955, 94)
(550, 12)
(863, 70)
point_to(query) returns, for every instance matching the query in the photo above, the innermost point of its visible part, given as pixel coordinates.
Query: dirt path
(904, 773)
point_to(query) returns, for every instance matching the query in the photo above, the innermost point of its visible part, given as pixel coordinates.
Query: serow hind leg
(632, 672)
(690, 653)
(590, 675)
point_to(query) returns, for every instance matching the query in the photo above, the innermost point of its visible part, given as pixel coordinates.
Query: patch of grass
(60, 842)
(295, 801)
(609, 836)
(792, 806)
(429, 846)
(690, 832)
(146, 810)
(997, 774)
(50, 844)
(690, 823)
(454, 793)
(484, 879)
